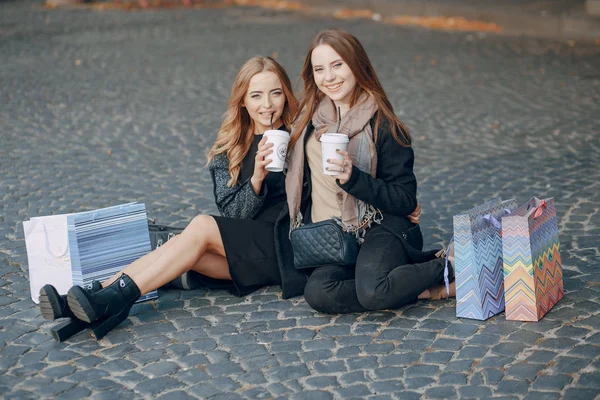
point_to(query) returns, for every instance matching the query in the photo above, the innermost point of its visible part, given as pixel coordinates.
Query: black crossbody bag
(323, 243)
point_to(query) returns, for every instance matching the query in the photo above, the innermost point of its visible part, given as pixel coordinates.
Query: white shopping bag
(48, 255)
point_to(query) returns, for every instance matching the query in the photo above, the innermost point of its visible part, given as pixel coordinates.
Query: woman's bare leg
(200, 237)
(213, 266)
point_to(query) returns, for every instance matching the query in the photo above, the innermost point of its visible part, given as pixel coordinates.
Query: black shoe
(182, 282)
(54, 306)
(191, 280)
(64, 330)
(107, 307)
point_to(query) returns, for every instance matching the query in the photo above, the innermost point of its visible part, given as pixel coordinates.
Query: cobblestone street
(99, 108)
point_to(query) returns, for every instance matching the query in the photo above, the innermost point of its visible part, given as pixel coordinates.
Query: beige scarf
(355, 124)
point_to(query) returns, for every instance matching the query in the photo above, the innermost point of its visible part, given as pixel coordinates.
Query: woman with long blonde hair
(236, 247)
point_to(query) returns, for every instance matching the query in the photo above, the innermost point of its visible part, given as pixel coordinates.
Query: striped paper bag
(478, 259)
(103, 242)
(532, 264)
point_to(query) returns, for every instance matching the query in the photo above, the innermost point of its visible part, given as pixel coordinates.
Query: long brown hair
(236, 132)
(353, 54)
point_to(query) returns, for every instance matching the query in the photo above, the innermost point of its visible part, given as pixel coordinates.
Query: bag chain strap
(367, 220)
(362, 224)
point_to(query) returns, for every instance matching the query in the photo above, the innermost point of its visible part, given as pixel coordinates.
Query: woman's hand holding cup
(343, 166)
(260, 162)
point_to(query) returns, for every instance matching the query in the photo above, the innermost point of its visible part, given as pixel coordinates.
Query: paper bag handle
(494, 221)
(539, 209)
(64, 253)
(446, 271)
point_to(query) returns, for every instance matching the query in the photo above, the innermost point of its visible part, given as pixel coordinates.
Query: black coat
(393, 191)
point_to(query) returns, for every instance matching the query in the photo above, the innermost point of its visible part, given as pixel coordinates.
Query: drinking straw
(271, 121)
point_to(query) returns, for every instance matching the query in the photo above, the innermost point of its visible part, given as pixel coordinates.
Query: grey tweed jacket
(238, 201)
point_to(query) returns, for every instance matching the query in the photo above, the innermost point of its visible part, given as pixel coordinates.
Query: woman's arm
(394, 190)
(238, 201)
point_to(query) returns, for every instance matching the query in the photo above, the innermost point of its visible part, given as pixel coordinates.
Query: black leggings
(381, 279)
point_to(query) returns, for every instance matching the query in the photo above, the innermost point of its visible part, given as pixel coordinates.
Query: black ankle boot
(109, 306)
(54, 305)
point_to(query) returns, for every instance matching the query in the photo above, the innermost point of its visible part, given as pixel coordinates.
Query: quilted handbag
(323, 243)
(161, 234)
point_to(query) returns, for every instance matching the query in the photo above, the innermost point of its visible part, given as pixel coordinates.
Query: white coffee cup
(280, 140)
(330, 142)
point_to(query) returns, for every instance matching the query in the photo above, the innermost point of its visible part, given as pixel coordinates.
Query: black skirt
(250, 250)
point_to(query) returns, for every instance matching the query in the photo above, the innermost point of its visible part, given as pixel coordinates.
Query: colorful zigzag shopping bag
(478, 259)
(532, 265)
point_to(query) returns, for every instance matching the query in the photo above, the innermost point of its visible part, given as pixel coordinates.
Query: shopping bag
(532, 265)
(48, 257)
(103, 242)
(478, 259)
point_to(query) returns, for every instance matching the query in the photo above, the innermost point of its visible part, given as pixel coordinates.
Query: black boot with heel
(106, 308)
(54, 306)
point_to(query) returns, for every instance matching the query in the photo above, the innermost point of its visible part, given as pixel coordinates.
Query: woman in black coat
(374, 191)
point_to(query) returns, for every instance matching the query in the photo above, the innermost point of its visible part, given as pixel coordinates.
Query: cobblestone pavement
(101, 108)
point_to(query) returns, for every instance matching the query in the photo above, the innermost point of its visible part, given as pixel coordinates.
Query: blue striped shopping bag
(103, 242)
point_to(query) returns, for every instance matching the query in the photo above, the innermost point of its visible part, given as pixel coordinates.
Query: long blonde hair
(236, 132)
(353, 54)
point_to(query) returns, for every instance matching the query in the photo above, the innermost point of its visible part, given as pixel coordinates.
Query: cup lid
(334, 138)
(275, 132)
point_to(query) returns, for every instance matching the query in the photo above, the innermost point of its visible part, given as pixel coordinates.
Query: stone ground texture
(101, 108)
